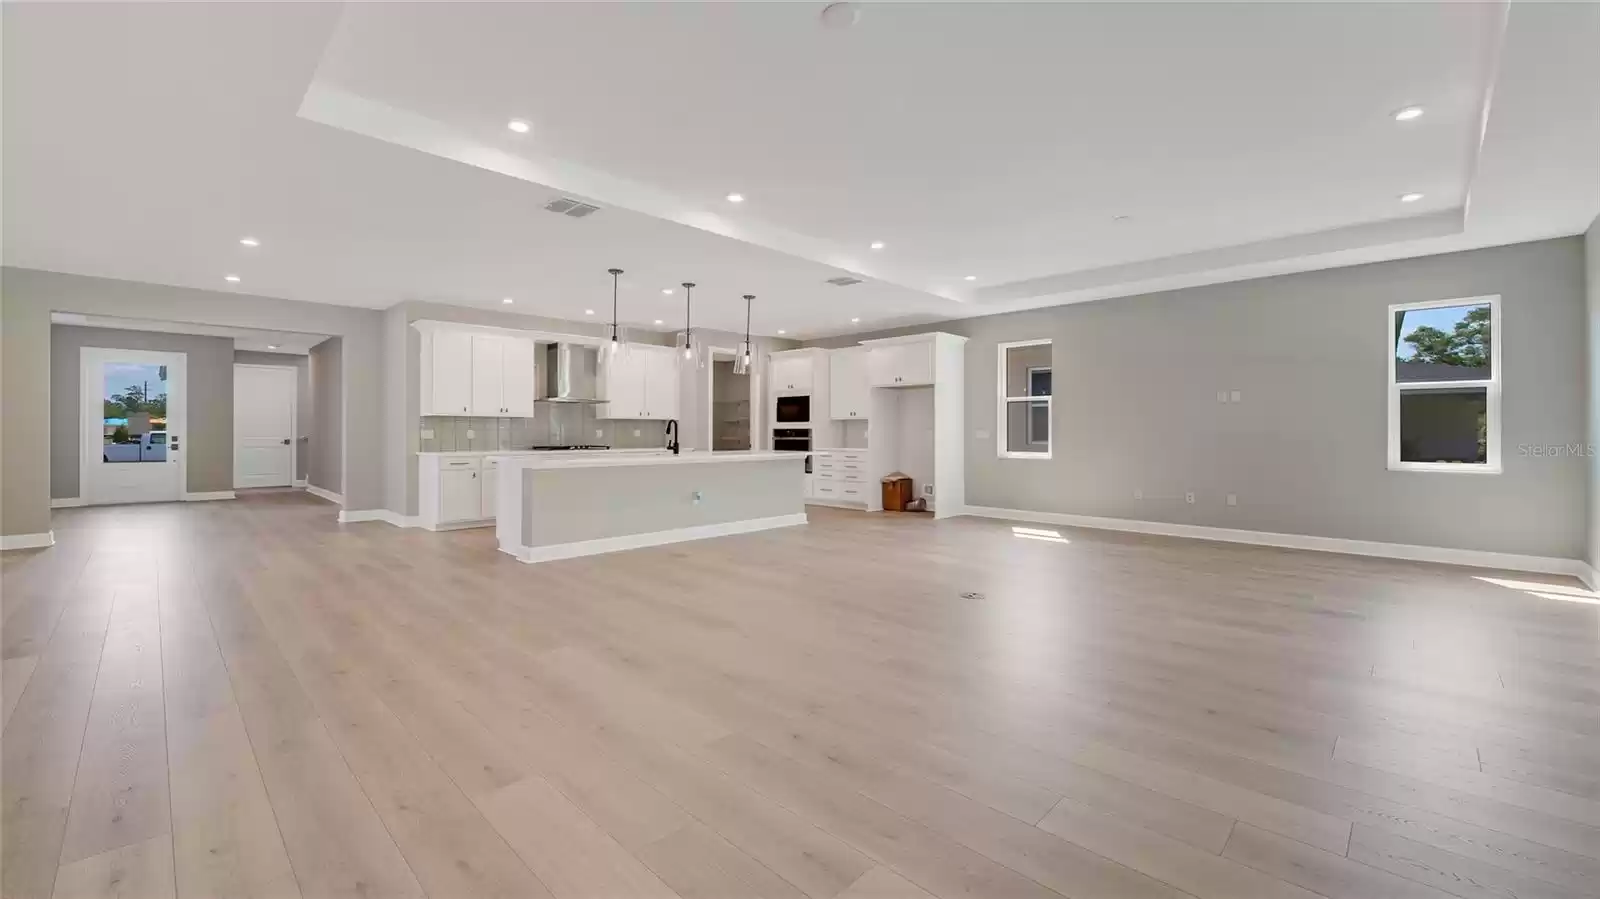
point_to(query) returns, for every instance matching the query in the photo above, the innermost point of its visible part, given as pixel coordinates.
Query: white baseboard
(329, 495)
(68, 502)
(206, 497)
(535, 554)
(1438, 554)
(384, 515)
(28, 541)
(1589, 575)
(298, 482)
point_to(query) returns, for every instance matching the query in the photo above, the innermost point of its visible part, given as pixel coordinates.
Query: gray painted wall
(327, 399)
(304, 414)
(28, 296)
(616, 501)
(1591, 254)
(208, 444)
(1135, 387)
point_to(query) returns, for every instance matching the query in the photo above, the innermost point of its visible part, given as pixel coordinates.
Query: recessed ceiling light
(1410, 198)
(508, 301)
(1121, 218)
(660, 322)
(855, 321)
(1408, 113)
(231, 279)
(518, 126)
(666, 290)
(877, 245)
(588, 312)
(250, 241)
(272, 346)
(971, 278)
(735, 198)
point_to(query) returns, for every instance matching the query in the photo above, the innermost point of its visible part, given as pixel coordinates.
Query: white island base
(561, 508)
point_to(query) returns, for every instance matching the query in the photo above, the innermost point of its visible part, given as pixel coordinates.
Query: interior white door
(132, 419)
(263, 426)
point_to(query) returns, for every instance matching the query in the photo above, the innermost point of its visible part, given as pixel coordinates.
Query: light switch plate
(471, 433)
(1236, 397)
(1233, 499)
(427, 433)
(637, 432)
(981, 435)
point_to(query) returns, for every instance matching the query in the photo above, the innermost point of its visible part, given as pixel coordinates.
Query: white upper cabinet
(847, 384)
(518, 379)
(662, 383)
(791, 372)
(487, 381)
(641, 383)
(901, 364)
(467, 372)
(447, 364)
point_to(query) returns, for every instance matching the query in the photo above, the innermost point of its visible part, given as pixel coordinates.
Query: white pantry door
(263, 426)
(132, 418)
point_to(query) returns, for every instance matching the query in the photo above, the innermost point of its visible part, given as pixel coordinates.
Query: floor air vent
(843, 281)
(569, 207)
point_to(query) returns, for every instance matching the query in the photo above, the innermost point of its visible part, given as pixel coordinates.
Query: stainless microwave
(792, 410)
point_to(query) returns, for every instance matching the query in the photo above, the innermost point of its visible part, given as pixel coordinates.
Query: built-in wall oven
(792, 410)
(793, 440)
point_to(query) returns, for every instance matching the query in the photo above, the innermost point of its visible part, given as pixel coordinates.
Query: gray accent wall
(1136, 379)
(304, 413)
(208, 443)
(28, 296)
(615, 501)
(1591, 255)
(327, 399)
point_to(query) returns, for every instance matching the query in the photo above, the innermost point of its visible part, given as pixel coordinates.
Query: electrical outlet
(471, 433)
(1222, 396)
(637, 432)
(1236, 397)
(427, 433)
(1189, 497)
(1233, 499)
(598, 433)
(1137, 493)
(927, 489)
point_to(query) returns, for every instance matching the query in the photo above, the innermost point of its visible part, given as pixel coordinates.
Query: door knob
(285, 441)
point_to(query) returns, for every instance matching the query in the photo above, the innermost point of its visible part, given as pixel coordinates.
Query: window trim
(1003, 402)
(1492, 389)
(1029, 373)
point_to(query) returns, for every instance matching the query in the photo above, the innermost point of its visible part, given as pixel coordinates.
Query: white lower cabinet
(452, 491)
(840, 476)
(489, 484)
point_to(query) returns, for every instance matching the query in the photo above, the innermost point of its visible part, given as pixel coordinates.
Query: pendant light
(741, 362)
(617, 346)
(689, 348)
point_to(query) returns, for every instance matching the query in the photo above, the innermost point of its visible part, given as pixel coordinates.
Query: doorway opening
(730, 411)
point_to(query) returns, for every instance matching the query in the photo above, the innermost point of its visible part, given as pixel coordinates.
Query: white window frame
(1031, 371)
(1491, 386)
(1003, 403)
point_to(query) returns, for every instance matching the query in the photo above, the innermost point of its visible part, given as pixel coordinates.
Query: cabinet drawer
(819, 464)
(851, 477)
(860, 457)
(827, 477)
(826, 489)
(855, 492)
(472, 463)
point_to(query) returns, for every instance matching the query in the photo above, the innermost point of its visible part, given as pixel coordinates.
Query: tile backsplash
(554, 424)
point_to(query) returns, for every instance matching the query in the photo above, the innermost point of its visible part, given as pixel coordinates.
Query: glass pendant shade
(741, 362)
(615, 345)
(690, 351)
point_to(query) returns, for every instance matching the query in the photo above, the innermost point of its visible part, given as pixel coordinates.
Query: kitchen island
(549, 508)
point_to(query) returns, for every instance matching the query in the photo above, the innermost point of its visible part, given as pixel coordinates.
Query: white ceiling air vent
(843, 281)
(569, 207)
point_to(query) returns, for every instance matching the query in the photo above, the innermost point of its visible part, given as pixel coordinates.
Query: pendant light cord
(749, 300)
(615, 274)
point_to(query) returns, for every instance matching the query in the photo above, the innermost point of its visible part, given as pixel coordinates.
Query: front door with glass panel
(133, 404)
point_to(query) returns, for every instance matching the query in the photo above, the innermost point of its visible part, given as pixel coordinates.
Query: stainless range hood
(569, 373)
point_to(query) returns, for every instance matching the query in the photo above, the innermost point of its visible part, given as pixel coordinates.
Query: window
(1025, 379)
(1444, 386)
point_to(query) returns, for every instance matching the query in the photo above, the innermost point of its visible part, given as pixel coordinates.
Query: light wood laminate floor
(246, 699)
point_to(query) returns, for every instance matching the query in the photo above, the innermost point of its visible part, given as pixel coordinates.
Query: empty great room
(803, 450)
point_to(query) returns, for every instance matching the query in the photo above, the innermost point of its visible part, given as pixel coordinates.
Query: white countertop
(537, 461)
(649, 450)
